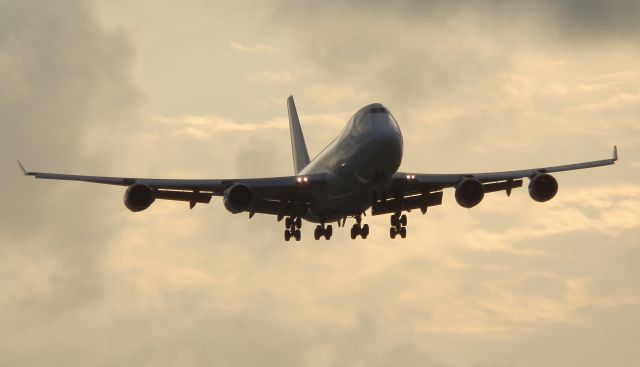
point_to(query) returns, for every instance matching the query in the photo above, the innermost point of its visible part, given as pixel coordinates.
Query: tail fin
(298, 146)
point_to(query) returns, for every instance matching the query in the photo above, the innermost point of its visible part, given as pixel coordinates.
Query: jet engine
(138, 197)
(237, 198)
(469, 192)
(543, 187)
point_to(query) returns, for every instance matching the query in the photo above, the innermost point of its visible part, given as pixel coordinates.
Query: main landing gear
(359, 230)
(322, 231)
(398, 226)
(293, 225)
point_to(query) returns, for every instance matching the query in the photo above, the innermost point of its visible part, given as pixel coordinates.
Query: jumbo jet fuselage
(361, 160)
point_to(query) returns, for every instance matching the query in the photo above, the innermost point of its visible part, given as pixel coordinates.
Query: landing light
(302, 179)
(411, 177)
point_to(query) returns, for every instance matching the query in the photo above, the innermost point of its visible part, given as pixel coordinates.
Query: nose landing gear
(398, 226)
(322, 231)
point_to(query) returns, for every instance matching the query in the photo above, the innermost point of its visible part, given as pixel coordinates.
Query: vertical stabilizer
(298, 146)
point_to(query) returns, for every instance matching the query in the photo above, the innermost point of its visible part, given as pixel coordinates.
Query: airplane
(356, 172)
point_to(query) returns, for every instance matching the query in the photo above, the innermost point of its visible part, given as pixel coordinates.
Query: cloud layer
(503, 85)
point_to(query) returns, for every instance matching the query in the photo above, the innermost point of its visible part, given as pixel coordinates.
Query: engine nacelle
(469, 193)
(237, 198)
(543, 187)
(138, 197)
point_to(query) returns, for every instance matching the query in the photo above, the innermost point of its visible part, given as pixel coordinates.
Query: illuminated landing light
(411, 177)
(302, 179)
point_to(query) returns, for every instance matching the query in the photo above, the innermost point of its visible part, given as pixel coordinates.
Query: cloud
(62, 75)
(270, 77)
(474, 87)
(260, 47)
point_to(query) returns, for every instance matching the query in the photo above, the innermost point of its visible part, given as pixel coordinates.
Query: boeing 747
(356, 172)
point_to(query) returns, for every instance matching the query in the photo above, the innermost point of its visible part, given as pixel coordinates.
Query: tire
(328, 232)
(392, 232)
(297, 234)
(317, 233)
(287, 222)
(394, 220)
(403, 220)
(298, 222)
(403, 232)
(287, 235)
(354, 232)
(365, 231)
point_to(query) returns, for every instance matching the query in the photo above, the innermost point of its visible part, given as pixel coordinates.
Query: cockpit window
(379, 110)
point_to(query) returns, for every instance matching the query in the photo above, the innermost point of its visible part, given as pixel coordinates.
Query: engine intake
(138, 197)
(237, 198)
(469, 192)
(543, 187)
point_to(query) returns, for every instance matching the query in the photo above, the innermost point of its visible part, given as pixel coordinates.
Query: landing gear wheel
(364, 232)
(394, 220)
(298, 222)
(317, 233)
(287, 235)
(297, 235)
(398, 225)
(328, 232)
(288, 222)
(354, 231)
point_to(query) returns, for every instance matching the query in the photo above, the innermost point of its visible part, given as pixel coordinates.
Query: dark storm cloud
(596, 18)
(576, 18)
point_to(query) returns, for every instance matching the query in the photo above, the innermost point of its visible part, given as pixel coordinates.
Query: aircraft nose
(385, 135)
(386, 151)
(388, 143)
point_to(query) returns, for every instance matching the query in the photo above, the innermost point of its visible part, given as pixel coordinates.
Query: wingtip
(24, 171)
(615, 152)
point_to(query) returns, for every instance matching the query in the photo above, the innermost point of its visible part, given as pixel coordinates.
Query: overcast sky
(198, 89)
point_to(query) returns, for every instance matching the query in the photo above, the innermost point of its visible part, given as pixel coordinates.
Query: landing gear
(359, 230)
(292, 225)
(398, 226)
(295, 233)
(322, 231)
(293, 222)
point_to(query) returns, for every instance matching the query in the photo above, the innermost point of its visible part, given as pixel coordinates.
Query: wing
(287, 195)
(422, 190)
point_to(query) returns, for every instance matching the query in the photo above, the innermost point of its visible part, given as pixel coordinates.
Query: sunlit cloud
(270, 77)
(259, 47)
(609, 210)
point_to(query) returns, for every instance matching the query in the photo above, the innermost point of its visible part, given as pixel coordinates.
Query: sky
(197, 89)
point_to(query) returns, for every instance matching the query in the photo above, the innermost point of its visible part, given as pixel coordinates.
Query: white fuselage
(359, 161)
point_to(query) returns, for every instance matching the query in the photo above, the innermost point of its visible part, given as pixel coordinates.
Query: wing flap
(280, 208)
(188, 196)
(422, 201)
